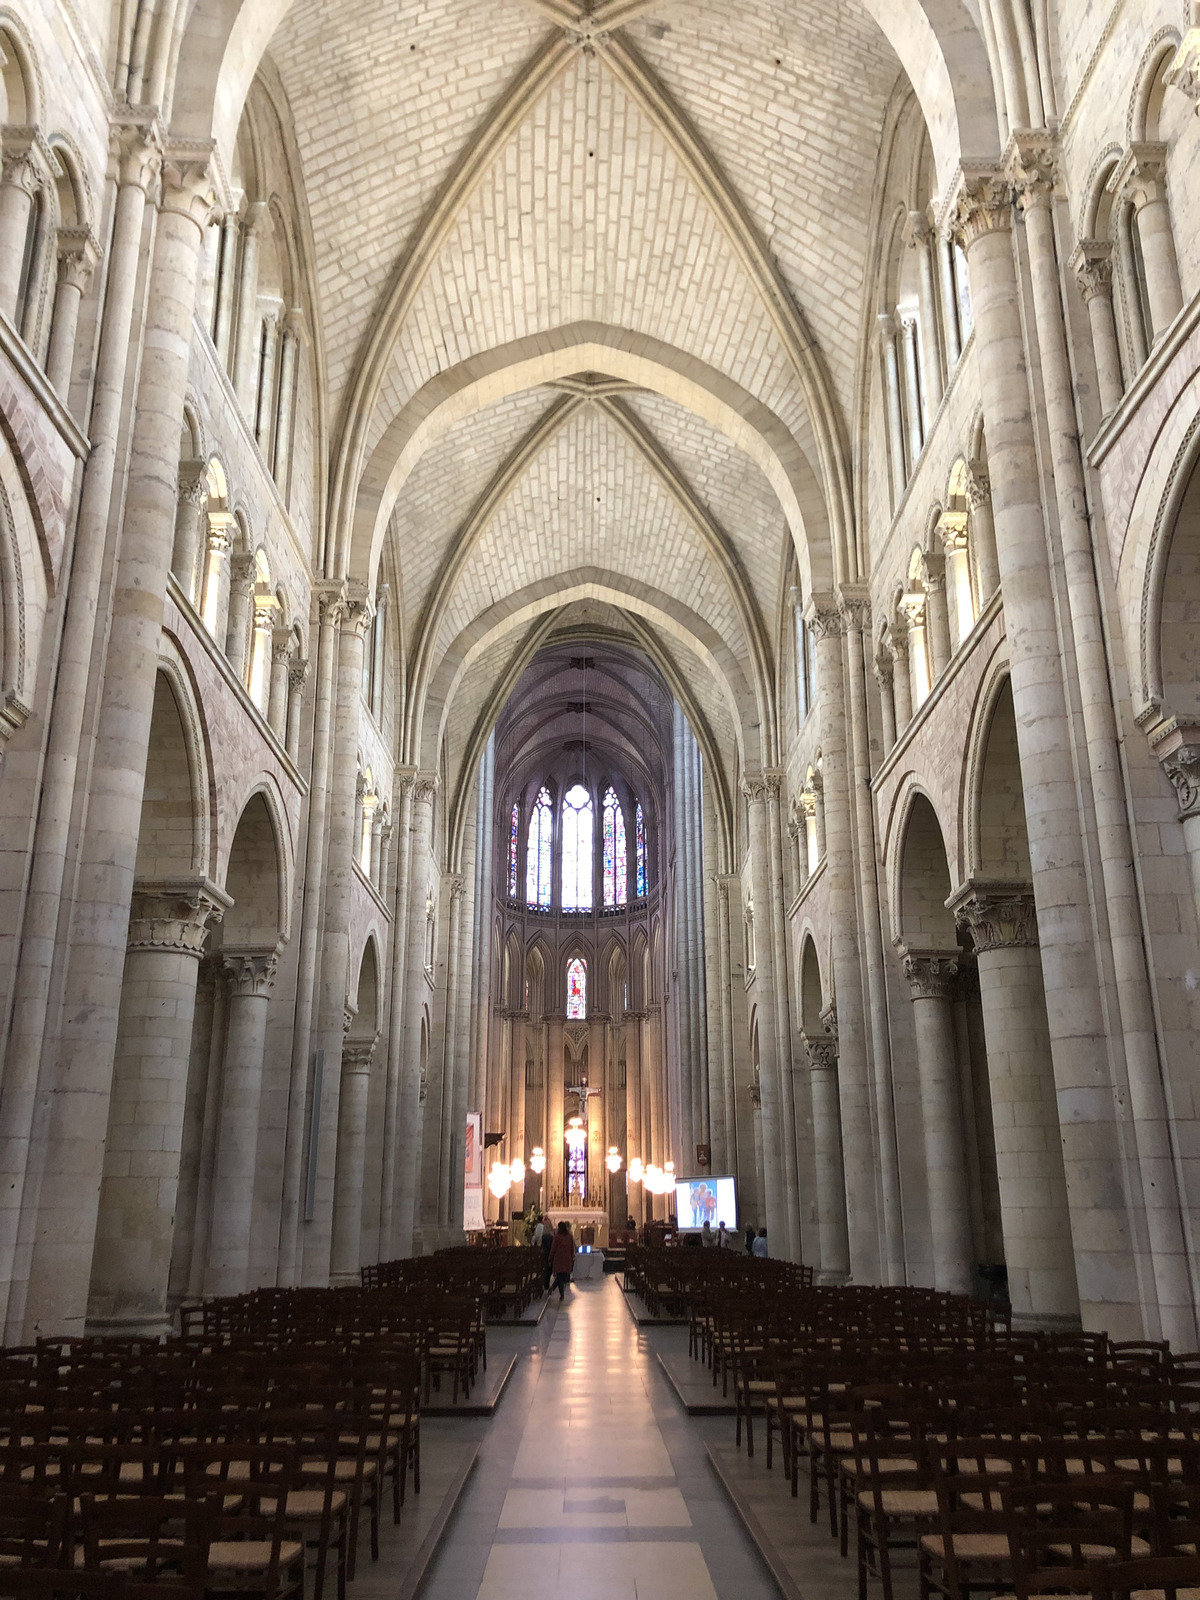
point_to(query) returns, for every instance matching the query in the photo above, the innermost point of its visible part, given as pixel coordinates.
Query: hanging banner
(473, 1220)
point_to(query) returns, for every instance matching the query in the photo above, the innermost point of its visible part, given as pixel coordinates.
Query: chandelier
(613, 1160)
(658, 1180)
(516, 1169)
(499, 1178)
(538, 1160)
(576, 1135)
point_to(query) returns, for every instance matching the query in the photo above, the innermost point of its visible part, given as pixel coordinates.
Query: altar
(588, 1224)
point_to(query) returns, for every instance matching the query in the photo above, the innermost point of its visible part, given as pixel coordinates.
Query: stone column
(265, 410)
(1092, 265)
(402, 797)
(237, 627)
(912, 390)
(189, 517)
(1102, 1219)
(135, 1228)
(1002, 922)
(634, 1138)
(921, 237)
(217, 546)
(1033, 169)
(25, 1055)
(891, 402)
(416, 992)
(930, 977)
(297, 676)
(277, 700)
(353, 613)
(251, 977)
(937, 613)
(827, 1157)
(231, 230)
(780, 1203)
(78, 254)
(596, 1121)
(344, 1256)
(516, 1142)
(901, 674)
(60, 1265)
(982, 531)
(281, 455)
(22, 173)
(885, 677)
(783, 1011)
(856, 614)
(952, 531)
(555, 1093)
(834, 814)
(1141, 178)
(949, 306)
(245, 342)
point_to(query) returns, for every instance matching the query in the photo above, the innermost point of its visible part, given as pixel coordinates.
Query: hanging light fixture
(499, 1178)
(538, 1160)
(516, 1170)
(576, 1134)
(637, 1170)
(613, 1160)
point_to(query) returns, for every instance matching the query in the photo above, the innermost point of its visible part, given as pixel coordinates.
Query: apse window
(538, 854)
(616, 876)
(577, 849)
(512, 852)
(576, 990)
(639, 826)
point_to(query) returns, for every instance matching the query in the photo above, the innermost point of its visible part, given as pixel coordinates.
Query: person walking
(759, 1248)
(547, 1241)
(562, 1257)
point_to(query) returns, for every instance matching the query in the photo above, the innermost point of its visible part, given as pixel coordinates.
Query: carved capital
(930, 974)
(424, 786)
(282, 645)
(241, 572)
(137, 149)
(996, 915)
(933, 571)
(78, 253)
(251, 972)
(1031, 161)
(829, 1020)
(1182, 767)
(885, 669)
(457, 886)
(357, 1055)
(187, 182)
(982, 204)
(754, 788)
(192, 483)
(174, 916)
(918, 230)
(755, 1094)
(952, 531)
(298, 673)
(979, 486)
(1141, 174)
(822, 1052)
(824, 617)
(1184, 71)
(357, 609)
(855, 606)
(25, 159)
(912, 608)
(331, 602)
(1091, 262)
(220, 533)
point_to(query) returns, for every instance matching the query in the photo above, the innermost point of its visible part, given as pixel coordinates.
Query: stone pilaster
(1091, 262)
(77, 256)
(1141, 178)
(345, 1261)
(827, 1152)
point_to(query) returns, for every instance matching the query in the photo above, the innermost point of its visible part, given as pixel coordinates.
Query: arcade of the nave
(633, 561)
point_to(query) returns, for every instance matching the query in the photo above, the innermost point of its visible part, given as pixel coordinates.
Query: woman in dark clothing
(562, 1257)
(547, 1241)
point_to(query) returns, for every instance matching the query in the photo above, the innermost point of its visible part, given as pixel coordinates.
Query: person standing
(562, 1257)
(722, 1237)
(707, 1237)
(547, 1241)
(749, 1238)
(759, 1248)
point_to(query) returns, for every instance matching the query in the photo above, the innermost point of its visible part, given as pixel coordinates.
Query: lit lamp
(613, 1160)
(637, 1171)
(499, 1178)
(538, 1160)
(516, 1170)
(576, 1134)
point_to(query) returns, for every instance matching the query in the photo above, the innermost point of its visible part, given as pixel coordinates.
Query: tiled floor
(591, 1482)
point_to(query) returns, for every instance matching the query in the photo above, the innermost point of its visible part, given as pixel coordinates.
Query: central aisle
(591, 1483)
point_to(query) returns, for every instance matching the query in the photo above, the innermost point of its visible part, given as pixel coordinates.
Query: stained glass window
(512, 852)
(537, 854)
(577, 990)
(577, 849)
(616, 877)
(639, 827)
(577, 1171)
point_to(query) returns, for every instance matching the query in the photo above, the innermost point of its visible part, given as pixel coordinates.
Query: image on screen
(701, 1200)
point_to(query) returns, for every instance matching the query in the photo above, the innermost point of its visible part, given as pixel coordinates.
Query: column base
(344, 1280)
(832, 1279)
(130, 1327)
(1046, 1321)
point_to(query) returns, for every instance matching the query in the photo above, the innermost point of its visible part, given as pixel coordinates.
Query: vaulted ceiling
(590, 288)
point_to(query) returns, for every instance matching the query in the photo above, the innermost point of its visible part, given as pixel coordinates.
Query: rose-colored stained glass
(577, 990)
(616, 867)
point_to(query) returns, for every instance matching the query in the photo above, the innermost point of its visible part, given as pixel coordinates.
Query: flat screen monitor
(700, 1200)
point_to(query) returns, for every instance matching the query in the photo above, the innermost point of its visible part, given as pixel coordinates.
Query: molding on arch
(991, 685)
(908, 790)
(174, 666)
(1155, 509)
(264, 783)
